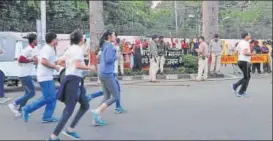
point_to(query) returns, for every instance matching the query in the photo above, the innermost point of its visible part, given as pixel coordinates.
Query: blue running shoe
(48, 120)
(120, 110)
(51, 139)
(233, 88)
(99, 122)
(25, 115)
(73, 135)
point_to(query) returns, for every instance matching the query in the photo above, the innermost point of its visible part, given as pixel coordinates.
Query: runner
(45, 71)
(119, 109)
(72, 89)
(26, 63)
(244, 56)
(3, 98)
(106, 75)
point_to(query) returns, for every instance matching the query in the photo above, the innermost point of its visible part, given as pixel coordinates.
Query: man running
(244, 57)
(26, 62)
(46, 67)
(3, 98)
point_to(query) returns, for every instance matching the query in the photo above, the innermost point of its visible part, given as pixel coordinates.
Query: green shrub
(190, 61)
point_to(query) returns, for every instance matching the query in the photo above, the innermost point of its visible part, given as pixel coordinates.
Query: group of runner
(72, 88)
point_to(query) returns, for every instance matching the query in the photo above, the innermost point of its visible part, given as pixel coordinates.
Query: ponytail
(105, 37)
(102, 41)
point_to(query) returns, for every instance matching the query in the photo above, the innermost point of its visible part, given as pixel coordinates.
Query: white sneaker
(3, 100)
(15, 110)
(19, 114)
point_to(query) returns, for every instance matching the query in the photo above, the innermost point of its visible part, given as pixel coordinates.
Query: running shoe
(245, 94)
(48, 120)
(53, 139)
(99, 122)
(233, 88)
(239, 95)
(120, 110)
(73, 135)
(15, 109)
(3, 100)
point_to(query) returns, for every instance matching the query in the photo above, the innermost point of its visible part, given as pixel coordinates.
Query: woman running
(119, 109)
(72, 90)
(106, 75)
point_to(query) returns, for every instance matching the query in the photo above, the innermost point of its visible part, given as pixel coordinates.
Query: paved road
(166, 110)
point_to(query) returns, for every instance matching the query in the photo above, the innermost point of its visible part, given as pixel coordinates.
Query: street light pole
(175, 12)
(43, 18)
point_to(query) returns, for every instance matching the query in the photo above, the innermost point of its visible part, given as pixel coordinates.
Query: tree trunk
(210, 19)
(96, 22)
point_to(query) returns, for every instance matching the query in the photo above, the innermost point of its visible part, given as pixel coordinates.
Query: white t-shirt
(242, 45)
(26, 68)
(116, 62)
(45, 73)
(72, 54)
(178, 45)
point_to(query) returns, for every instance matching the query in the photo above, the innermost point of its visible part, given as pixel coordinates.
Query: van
(11, 46)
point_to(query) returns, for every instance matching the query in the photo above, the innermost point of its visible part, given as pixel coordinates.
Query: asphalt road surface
(167, 110)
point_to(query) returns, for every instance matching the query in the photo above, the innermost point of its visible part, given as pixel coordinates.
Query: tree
(210, 19)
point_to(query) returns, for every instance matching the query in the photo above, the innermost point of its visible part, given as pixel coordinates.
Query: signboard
(228, 59)
(172, 58)
(233, 59)
(259, 58)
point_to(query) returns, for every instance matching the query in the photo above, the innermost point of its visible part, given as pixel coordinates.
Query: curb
(169, 77)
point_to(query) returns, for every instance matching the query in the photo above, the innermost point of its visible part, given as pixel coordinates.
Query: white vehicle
(11, 46)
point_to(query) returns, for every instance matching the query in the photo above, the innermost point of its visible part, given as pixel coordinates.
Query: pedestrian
(109, 84)
(162, 48)
(203, 53)
(184, 46)
(215, 49)
(120, 58)
(46, 67)
(3, 98)
(72, 89)
(132, 56)
(119, 109)
(137, 49)
(256, 66)
(191, 46)
(269, 63)
(195, 47)
(235, 67)
(153, 58)
(26, 63)
(86, 51)
(244, 57)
